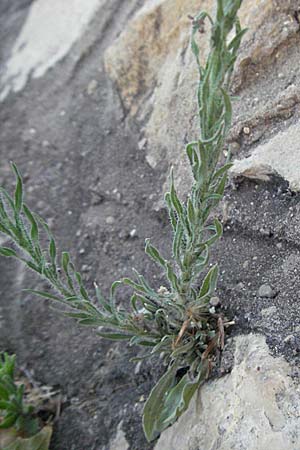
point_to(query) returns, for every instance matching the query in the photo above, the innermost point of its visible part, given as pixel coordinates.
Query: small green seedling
(13, 411)
(177, 321)
(20, 429)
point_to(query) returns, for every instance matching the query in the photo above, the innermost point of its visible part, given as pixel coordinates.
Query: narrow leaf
(18, 191)
(155, 404)
(154, 253)
(5, 251)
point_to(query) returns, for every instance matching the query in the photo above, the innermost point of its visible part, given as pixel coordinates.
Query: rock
(47, 35)
(246, 264)
(92, 86)
(243, 168)
(266, 291)
(133, 233)
(214, 301)
(256, 407)
(110, 220)
(274, 156)
(119, 442)
(142, 144)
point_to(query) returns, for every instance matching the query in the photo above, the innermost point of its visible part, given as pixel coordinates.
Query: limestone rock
(154, 69)
(256, 407)
(277, 156)
(48, 33)
(119, 442)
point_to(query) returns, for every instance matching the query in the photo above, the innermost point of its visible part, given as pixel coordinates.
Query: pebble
(246, 130)
(110, 220)
(46, 144)
(142, 143)
(92, 86)
(137, 368)
(214, 301)
(265, 290)
(133, 233)
(289, 339)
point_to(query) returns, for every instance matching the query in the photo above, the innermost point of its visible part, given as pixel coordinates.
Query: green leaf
(172, 278)
(193, 158)
(4, 394)
(173, 218)
(209, 282)
(113, 289)
(228, 109)
(82, 289)
(5, 251)
(8, 199)
(5, 405)
(174, 198)
(217, 227)
(154, 253)
(102, 300)
(155, 404)
(221, 186)
(235, 42)
(178, 399)
(177, 242)
(168, 400)
(34, 232)
(65, 260)
(91, 322)
(115, 336)
(8, 421)
(223, 170)
(18, 191)
(52, 251)
(43, 294)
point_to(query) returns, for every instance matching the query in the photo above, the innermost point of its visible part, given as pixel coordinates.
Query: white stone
(119, 442)
(281, 155)
(50, 30)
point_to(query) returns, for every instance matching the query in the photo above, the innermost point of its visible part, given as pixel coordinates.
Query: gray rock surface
(274, 156)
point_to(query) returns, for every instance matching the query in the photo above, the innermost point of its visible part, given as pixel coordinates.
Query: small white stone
(133, 233)
(142, 143)
(110, 220)
(92, 86)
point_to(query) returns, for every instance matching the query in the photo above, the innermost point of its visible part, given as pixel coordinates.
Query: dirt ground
(83, 171)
